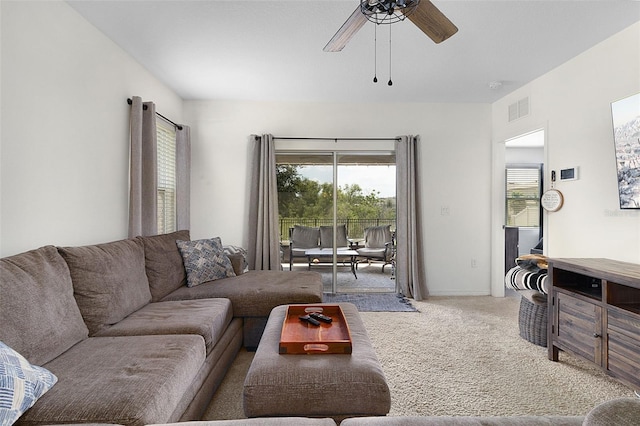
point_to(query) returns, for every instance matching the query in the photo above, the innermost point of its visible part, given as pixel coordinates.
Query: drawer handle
(596, 335)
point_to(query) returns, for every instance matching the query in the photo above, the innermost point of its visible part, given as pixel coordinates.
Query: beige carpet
(461, 356)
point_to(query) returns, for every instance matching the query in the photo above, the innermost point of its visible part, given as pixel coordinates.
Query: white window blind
(166, 134)
(523, 196)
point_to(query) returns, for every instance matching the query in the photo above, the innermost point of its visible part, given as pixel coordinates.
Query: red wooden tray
(300, 337)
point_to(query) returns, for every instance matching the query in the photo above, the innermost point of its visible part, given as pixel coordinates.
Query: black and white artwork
(626, 134)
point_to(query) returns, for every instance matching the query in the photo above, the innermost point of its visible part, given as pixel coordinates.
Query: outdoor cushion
(208, 318)
(304, 237)
(377, 236)
(326, 236)
(39, 317)
(163, 263)
(127, 380)
(109, 281)
(255, 293)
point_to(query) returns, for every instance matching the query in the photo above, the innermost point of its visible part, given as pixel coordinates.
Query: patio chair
(379, 245)
(302, 238)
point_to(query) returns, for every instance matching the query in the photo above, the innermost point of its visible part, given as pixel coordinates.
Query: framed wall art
(626, 135)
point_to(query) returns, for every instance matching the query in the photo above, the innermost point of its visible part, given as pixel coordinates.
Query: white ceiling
(272, 50)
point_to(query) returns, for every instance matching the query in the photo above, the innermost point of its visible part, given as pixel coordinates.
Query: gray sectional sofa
(128, 342)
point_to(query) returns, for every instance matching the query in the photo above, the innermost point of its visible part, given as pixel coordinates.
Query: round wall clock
(552, 200)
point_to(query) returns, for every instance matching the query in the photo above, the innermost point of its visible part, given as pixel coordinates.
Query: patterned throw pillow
(21, 384)
(204, 260)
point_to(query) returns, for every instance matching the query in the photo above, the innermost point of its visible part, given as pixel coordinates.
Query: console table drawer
(624, 357)
(624, 322)
(623, 329)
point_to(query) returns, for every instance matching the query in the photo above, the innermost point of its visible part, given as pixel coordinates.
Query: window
(166, 169)
(523, 190)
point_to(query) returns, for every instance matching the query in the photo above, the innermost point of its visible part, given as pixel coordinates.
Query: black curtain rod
(179, 127)
(336, 139)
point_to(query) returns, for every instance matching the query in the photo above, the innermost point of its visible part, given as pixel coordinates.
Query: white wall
(573, 103)
(455, 172)
(64, 162)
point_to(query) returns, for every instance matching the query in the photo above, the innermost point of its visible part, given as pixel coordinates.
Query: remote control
(320, 317)
(310, 320)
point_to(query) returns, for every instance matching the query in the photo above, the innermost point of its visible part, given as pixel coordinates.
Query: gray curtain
(143, 177)
(142, 172)
(264, 234)
(410, 273)
(183, 178)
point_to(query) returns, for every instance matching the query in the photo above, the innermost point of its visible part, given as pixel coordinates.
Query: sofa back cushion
(109, 281)
(163, 263)
(39, 317)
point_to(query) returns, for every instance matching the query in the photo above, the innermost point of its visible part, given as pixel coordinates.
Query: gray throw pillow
(240, 254)
(204, 260)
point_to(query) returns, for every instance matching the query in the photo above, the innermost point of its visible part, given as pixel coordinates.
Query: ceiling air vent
(519, 109)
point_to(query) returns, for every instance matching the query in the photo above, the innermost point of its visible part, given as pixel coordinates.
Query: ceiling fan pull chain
(375, 53)
(390, 83)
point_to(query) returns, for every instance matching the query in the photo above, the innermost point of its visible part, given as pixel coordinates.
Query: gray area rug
(370, 279)
(460, 356)
(377, 302)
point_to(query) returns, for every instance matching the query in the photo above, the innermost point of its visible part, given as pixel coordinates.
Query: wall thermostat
(569, 174)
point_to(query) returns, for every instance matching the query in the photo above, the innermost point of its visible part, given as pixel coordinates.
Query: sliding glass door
(327, 203)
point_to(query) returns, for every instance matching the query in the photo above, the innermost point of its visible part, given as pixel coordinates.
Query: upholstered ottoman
(317, 385)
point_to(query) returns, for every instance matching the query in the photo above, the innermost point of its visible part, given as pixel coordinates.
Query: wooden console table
(594, 313)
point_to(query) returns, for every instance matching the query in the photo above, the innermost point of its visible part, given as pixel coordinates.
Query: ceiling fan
(422, 13)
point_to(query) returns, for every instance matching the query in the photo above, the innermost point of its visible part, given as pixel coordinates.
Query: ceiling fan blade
(346, 31)
(432, 22)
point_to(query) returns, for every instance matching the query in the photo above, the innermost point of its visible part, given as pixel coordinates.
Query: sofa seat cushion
(163, 263)
(125, 380)
(208, 318)
(256, 293)
(109, 281)
(39, 317)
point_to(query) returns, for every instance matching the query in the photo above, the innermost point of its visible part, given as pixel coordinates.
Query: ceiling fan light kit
(389, 11)
(422, 13)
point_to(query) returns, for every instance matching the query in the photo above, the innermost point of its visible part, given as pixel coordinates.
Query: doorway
(340, 194)
(518, 181)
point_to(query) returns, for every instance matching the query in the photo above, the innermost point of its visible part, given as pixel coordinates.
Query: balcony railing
(355, 227)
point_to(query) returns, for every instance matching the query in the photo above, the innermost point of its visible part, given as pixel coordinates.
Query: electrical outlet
(474, 263)
(444, 210)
